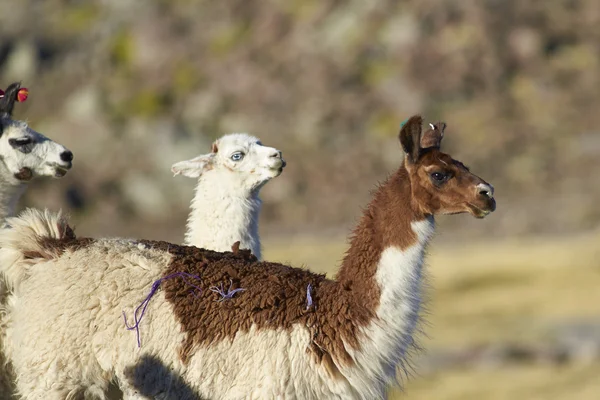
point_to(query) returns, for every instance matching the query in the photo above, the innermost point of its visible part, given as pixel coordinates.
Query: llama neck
(383, 269)
(222, 213)
(10, 193)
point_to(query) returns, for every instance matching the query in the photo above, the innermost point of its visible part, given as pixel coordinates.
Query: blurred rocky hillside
(134, 86)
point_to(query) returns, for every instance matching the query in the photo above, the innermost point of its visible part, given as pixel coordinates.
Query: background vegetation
(134, 86)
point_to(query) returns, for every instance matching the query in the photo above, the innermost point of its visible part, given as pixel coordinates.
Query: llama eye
(237, 156)
(19, 142)
(438, 176)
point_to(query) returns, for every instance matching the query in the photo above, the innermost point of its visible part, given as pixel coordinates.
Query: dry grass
(574, 382)
(488, 292)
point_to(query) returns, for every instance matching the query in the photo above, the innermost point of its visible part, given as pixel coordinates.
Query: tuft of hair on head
(410, 138)
(7, 102)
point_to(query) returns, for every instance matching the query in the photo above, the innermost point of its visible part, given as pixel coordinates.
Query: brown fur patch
(56, 247)
(274, 295)
(25, 174)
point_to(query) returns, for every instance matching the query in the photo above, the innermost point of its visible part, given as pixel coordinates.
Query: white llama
(24, 155)
(226, 206)
(85, 311)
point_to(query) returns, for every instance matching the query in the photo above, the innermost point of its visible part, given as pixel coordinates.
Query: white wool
(226, 206)
(400, 277)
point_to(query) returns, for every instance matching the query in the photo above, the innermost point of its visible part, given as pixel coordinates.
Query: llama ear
(195, 167)
(433, 136)
(410, 138)
(7, 102)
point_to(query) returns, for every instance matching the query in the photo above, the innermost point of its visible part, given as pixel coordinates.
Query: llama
(226, 205)
(85, 311)
(24, 155)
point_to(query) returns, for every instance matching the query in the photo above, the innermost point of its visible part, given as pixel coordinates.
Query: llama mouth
(477, 212)
(60, 170)
(279, 168)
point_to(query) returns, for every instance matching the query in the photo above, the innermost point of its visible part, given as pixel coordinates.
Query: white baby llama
(226, 206)
(24, 155)
(226, 325)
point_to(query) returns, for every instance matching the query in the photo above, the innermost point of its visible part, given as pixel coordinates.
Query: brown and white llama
(88, 310)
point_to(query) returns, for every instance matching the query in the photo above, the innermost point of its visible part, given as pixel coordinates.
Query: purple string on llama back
(225, 295)
(309, 300)
(144, 304)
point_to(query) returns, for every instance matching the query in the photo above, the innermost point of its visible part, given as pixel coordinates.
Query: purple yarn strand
(144, 304)
(309, 299)
(225, 295)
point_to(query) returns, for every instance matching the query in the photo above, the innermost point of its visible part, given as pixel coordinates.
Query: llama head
(239, 157)
(25, 153)
(439, 183)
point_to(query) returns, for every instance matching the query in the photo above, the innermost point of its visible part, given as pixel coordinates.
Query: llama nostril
(66, 156)
(276, 154)
(485, 190)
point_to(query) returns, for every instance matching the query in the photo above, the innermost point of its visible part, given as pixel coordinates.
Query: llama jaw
(26, 174)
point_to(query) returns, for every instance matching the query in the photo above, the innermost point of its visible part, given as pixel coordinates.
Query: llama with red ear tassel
(24, 155)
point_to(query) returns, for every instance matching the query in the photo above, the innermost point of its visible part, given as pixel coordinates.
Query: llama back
(77, 299)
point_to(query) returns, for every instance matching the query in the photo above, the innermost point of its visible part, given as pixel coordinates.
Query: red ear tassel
(22, 95)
